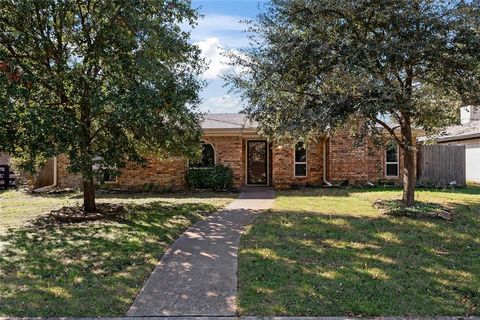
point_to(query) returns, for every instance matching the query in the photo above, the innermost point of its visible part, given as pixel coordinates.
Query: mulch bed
(77, 214)
(418, 210)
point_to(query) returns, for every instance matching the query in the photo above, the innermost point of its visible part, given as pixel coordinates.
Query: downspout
(325, 181)
(55, 168)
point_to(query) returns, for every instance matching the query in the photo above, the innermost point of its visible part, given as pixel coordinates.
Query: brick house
(232, 140)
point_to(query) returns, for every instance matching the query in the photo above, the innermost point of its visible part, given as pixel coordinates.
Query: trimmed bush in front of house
(219, 177)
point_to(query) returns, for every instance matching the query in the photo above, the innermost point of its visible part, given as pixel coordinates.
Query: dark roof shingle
(466, 131)
(227, 121)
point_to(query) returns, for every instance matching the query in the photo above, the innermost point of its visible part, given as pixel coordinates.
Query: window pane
(109, 176)
(392, 170)
(300, 170)
(208, 157)
(300, 152)
(392, 154)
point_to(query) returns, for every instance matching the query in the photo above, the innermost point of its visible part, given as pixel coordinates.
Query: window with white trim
(300, 160)
(208, 157)
(391, 161)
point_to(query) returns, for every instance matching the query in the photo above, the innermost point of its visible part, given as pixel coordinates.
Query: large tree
(111, 80)
(314, 65)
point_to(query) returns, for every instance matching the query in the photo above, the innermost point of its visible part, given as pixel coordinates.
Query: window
(391, 161)
(208, 157)
(109, 175)
(104, 174)
(300, 160)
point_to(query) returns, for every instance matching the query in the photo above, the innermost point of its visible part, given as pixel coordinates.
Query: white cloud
(229, 28)
(214, 54)
(222, 104)
(217, 22)
(213, 23)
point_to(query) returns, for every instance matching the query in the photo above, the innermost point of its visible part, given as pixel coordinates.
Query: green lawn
(330, 253)
(89, 269)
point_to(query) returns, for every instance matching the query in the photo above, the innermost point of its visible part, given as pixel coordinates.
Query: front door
(257, 162)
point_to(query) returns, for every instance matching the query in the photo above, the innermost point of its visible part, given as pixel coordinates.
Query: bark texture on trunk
(409, 176)
(409, 163)
(89, 194)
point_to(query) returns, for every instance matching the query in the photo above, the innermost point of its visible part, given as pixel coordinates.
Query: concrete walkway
(197, 276)
(256, 318)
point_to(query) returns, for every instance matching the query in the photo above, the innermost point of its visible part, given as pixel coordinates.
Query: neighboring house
(468, 134)
(232, 140)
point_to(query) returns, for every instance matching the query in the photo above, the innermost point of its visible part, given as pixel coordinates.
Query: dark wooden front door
(257, 162)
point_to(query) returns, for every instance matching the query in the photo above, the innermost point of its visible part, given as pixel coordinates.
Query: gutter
(55, 168)
(325, 181)
(458, 137)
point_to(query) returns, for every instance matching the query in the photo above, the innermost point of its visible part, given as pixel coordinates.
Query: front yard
(88, 269)
(329, 252)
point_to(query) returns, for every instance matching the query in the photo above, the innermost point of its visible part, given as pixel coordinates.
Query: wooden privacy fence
(45, 176)
(441, 165)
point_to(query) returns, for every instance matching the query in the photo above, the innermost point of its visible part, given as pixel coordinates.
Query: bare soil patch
(418, 210)
(78, 214)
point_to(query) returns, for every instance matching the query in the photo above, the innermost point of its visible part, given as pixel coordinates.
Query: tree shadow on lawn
(302, 264)
(170, 195)
(348, 191)
(88, 269)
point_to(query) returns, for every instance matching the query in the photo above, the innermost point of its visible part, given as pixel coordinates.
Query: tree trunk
(86, 154)
(89, 194)
(409, 176)
(409, 164)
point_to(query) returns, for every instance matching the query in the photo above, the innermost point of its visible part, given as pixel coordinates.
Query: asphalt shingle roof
(459, 132)
(227, 121)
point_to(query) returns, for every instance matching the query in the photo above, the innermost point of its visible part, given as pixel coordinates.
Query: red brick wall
(167, 173)
(346, 161)
(283, 165)
(229, 150)
(356, 163)
(66, 179)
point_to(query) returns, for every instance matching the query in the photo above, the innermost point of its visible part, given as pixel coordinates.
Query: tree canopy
(315, 65)
(111, 80)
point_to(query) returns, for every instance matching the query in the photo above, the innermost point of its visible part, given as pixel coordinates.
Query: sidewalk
(197, 276)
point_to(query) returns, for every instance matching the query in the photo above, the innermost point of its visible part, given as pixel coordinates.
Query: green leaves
(219, 177)
(115, 79)
(318, 64)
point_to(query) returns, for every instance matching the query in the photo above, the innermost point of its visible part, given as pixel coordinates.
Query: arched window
(208, 157)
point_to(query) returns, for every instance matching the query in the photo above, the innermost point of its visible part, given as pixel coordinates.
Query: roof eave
(229, 131)
(459, 137)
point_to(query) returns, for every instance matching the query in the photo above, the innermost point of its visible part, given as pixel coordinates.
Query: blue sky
(218, 31)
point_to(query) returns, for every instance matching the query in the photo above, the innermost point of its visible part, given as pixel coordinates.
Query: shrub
(219, 177)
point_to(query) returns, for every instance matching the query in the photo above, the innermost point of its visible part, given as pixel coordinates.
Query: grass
(88, 269)
(17, 208)
(331, 253)
(418, 210)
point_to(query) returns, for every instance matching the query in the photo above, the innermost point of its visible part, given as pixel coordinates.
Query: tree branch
(390, 130)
